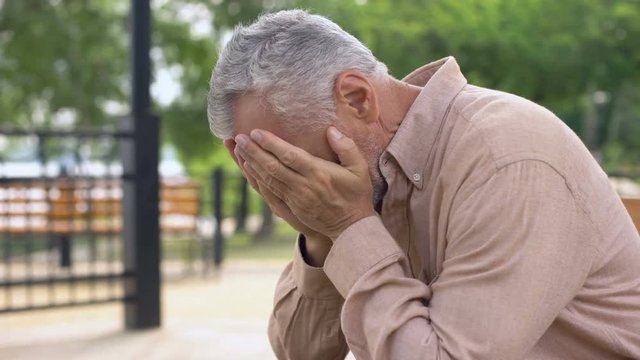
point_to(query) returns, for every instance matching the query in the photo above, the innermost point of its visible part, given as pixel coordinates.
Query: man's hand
(324, 196)
(316, 246)
(277, 206)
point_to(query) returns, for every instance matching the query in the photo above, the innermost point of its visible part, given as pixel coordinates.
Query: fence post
(141, 229)
(64, 243)
(217, 179)
(266, 228)
(66, 209)
(243, 206)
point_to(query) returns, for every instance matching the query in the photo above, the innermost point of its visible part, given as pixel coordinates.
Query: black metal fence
(60, 220)
(47, 215)
(236, 210)
(82, 223)
(63, 219)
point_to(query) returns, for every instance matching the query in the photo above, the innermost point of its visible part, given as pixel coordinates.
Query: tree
(61, 61)
(65, 59)
(581, 59)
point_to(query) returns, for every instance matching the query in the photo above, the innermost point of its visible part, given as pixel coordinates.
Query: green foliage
(185, 119)
(580, 58)
(61, 56)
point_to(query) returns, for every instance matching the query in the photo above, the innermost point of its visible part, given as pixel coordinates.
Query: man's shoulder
(512, 128)
(475, 99)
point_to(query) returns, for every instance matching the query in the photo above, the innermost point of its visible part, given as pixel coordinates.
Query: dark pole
(217, 178)
(243, 206)
(141, 184)
(266, 229)
(140, 60)
(64, 240)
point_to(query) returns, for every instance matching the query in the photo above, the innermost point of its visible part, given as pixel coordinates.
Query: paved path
(213, 318)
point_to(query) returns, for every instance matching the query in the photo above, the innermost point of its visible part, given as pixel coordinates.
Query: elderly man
(438, 219)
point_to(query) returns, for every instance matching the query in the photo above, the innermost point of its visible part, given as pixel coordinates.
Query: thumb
(347, 151)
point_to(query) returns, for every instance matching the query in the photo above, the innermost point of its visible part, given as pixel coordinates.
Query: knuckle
(268, 182)
(289, 158)
(272, 167)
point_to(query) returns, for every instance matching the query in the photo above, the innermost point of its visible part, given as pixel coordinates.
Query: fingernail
(334, 133)
(256, 135)
(240, 140)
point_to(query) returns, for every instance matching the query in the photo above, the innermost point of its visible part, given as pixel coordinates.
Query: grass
(279, 246)
(241, 246)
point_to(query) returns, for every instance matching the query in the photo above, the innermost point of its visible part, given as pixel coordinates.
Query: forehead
(250, 112)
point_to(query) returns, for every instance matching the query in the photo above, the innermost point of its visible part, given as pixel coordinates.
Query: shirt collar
(419, 130)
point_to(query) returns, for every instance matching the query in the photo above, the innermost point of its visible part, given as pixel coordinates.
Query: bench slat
(633, 207)
(75, 206)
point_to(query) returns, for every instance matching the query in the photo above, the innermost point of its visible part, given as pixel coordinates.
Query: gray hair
(291, 59)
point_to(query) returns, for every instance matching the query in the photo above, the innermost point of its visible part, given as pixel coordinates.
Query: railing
(62, 240)
(60, 226)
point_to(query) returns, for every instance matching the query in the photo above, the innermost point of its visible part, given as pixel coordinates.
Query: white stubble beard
(378, 182)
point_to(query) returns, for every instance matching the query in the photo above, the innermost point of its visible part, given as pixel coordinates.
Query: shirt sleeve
(517, 252)
(305, 322)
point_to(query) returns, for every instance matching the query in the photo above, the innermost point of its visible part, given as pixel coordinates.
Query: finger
(277, 206)
(252, 181)
(265, 162)
(275, 186)
(291, 156)
(240, 162)
(347, 151)
(230, 144)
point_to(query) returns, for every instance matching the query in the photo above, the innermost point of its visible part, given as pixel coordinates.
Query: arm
(305, 323)
(511, 266)
(519, 248)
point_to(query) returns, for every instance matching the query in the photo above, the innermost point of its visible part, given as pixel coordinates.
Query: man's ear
(355, 94)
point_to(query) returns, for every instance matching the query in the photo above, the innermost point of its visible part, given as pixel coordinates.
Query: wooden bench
(68, 206)
(633, 207)
(62, 208)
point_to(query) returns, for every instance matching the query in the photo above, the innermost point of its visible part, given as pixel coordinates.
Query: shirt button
(416, 177)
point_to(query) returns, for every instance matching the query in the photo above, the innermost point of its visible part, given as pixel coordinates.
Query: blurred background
(67, 184)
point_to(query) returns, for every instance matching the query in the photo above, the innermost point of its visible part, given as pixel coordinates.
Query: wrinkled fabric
(499, 238)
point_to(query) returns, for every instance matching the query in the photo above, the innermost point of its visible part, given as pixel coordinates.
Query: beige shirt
(499, 238)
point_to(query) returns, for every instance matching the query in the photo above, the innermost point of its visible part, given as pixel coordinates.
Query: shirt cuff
(360, 247)
(311, 281)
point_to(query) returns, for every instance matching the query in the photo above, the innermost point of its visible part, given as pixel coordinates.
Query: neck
(397, 97)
